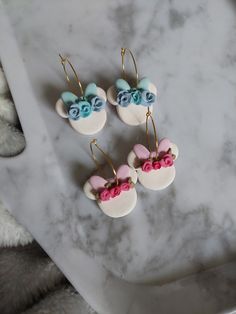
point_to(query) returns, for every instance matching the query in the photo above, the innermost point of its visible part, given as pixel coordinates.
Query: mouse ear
(88, 190)
(164, 145)
(91, 89)
(131, 159)
(141, 151)
(133, 175)
(174, 150)
(97, 182)
(61, 109)
(111, 95)
(123, 172)
(101, 93)
(146, 84)
(122, 85)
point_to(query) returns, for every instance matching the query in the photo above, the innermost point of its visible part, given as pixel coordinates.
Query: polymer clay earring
(132, 101)
(86, 113)
(115, 196)
(155, 169)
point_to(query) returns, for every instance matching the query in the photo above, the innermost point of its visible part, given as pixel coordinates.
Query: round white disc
(133, 114)
(157, 179)
(90, 125)
(111, 95)
(121, 205)
(60, 109)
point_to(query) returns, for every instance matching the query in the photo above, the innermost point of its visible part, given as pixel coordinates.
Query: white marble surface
(188, 49)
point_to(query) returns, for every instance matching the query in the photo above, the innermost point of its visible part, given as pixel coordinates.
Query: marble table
(175, 252)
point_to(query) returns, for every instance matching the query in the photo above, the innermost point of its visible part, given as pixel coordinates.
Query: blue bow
(138, 96)
(82, 107)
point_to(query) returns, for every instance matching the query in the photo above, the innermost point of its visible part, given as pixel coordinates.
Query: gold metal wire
(108, 159)
(149, 115)
(123, 52)
(65, 60)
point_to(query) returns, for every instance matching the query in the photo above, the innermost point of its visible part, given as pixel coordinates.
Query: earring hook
(108, 159)
(65, 60)
(149, 115)
(123, 52)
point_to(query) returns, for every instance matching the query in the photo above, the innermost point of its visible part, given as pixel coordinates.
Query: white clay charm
(132, 102)
(86, 113)
(114, 200)
(155, 170)
(117, 196)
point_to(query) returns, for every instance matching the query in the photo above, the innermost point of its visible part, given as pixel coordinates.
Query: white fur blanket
(30, 282)
(12, 142)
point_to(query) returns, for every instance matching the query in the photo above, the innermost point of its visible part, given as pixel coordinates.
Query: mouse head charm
(155, 169)
(86, 113)
(132, 102)
(117, 196)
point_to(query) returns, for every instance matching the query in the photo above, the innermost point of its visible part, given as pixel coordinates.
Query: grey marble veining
(188, 49)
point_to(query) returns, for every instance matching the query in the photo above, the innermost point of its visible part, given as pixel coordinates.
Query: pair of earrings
(87, 112)
(154, 168)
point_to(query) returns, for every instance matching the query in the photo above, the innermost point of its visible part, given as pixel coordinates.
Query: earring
(117, 196)
(156, 168)
(132, 102)
(86, 113)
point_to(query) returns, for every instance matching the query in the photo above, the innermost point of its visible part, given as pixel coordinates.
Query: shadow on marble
(233, 3)
(79, 173)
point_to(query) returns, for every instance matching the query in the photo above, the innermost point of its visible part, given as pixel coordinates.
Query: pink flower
(163, 164)
(147, 166)
(125, 186)
(115, 191)
(105, 195)
(156, 165)
(167, 160)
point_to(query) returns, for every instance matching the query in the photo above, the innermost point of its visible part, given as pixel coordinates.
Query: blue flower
(97, 103)
(135, 96)
(123, 98)
(148, 98)
(74, 111)
(85, 108)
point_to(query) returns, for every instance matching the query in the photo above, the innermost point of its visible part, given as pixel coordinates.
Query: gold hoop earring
(86, 112)
(123, 53)
(132, 101)
(64, 61)
(155, 167)
(116, 196)
(107, 157)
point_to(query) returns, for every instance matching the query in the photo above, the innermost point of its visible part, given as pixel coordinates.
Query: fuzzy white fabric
(8, 111)
(11, 233)
(61, 301)
(12, 142)
(3, 83)
(26, 274)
